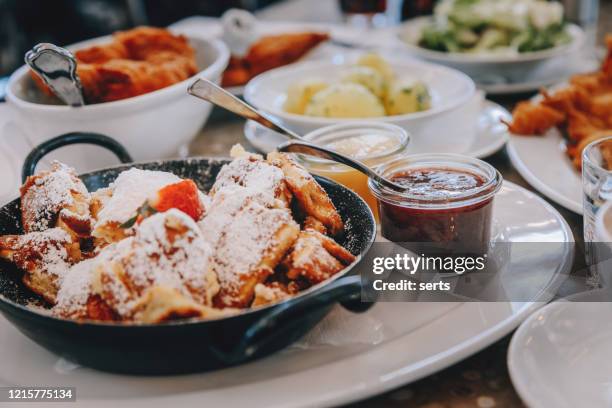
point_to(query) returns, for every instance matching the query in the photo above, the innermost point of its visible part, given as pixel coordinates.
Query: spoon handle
(57, 68)
(209, 91)
(318, 151)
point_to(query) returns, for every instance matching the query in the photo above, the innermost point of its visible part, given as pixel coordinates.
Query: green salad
(500, 26)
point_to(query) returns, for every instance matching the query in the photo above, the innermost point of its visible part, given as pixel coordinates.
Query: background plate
(556, 358)
(542, 161)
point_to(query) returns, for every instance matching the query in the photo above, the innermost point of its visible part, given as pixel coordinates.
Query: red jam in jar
(448, 200)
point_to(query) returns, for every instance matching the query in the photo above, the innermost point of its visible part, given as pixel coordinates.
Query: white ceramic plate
(491, 133)
(542, 161)
(560, 356)
(346, 358)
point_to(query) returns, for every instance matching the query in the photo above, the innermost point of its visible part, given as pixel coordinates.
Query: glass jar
(449, 200)
(597, 191)
(373, 143)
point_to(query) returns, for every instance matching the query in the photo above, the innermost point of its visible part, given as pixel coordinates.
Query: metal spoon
(209, 91)
(214, 94)
(57, 68)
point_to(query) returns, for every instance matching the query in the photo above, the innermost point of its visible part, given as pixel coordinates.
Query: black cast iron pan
(186, 345)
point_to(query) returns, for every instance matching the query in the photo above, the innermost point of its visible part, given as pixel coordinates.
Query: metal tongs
(56, 66)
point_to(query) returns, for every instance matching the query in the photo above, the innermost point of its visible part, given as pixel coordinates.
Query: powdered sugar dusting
(48, 193)
(246, 240)
(168, 250)
(251, 173)
(75, 288)
(44, 250)
(129, 191)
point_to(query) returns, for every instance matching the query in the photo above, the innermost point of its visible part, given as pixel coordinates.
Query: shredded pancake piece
(167, 255)
(44, 256)
(254, 174)
(54, 196)
(311, 197)
(249, 240)
(316, 257)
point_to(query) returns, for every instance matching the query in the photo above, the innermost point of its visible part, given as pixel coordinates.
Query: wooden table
(481, 380)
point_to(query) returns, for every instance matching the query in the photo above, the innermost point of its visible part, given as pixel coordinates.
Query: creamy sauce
(364, 146)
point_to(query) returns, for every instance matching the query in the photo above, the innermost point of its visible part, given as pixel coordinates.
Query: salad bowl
(487, 66)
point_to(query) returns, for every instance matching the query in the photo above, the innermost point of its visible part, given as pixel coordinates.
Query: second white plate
(491, 133)
(560, 356)
(542, 161)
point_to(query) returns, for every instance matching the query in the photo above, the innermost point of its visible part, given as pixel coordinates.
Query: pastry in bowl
(133, 63)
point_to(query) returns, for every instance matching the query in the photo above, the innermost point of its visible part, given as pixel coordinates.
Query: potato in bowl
(424, 99)
(370, 88)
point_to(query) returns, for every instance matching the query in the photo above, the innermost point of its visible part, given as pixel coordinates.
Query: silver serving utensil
(57, 68)
(294, 146)
(216, 95)
(209, 91)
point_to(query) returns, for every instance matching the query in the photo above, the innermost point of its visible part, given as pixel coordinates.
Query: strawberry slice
(183, 196)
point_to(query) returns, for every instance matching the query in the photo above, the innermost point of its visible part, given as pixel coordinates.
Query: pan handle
(282, 320)
(29, 165)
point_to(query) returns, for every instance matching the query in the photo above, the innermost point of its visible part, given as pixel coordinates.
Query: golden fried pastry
(256, 175)
(582, 110)
(55, 198)
(168, 255)
(135, 62)
(311, 197)
(248, 244)
(236, 74)
(162, 304)
(270, 52)
(523, 122)
(311, 223)
(277, 50)
(44, 257)
(316, 257)
(266, 293)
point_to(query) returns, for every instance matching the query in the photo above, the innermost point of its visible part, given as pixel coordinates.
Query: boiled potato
(367, 77)
(407, 96)
(300, 93)
(345, 100)
(377, 63)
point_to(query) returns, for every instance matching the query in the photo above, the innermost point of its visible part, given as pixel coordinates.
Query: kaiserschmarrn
(152, 247)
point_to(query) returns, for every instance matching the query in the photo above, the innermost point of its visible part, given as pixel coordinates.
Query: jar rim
(344, 131)
(492, 184)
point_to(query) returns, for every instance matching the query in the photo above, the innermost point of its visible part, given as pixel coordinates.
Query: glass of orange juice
(373, 143)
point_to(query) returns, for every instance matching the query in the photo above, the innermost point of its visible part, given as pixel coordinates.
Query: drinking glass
(371, 13)
(597, 190)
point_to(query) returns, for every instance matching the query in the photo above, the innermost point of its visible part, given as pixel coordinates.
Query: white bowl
(485, 67)
(151, 126)
(448, 126)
